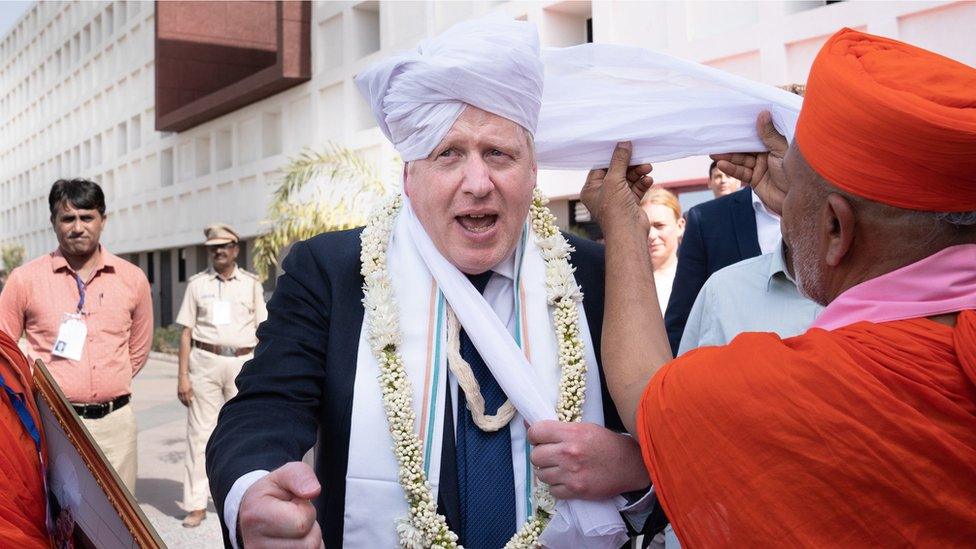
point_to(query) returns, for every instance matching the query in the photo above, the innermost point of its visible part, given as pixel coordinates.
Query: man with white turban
(419, 350)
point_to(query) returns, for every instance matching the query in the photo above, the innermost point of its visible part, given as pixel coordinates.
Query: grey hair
(938, 228)
(957, 219)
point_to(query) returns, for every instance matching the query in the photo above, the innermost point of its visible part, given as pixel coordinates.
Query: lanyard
(23, 413)
(31, 427)
(81, 292)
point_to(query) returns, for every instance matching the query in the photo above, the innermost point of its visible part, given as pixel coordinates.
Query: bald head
(839, 240)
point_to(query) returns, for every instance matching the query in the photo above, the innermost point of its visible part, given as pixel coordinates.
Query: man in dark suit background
(718, 233)
(471, 194)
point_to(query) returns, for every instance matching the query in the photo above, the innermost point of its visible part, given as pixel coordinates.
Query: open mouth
(477, 223)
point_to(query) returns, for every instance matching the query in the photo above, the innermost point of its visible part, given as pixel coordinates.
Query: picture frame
(90, 506)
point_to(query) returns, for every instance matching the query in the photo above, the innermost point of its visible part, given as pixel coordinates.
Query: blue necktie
(486, 483)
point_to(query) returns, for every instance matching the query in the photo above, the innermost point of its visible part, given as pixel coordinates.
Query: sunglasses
(225, 246)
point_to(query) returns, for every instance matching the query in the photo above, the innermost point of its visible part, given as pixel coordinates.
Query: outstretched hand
(762, 171)
(614, 194)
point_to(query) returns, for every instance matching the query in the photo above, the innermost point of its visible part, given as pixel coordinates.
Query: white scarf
(424, 282)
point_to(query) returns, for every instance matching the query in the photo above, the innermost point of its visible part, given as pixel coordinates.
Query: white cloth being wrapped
(594, 96)
(599, 94)
(491, 63)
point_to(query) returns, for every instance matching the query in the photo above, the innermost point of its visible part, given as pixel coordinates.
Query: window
(181, 265)
(366, 29)
(271, 133)
(135, 128)
(151, 267)
(166, 168)
(224, 147)
(120, 139)
(202, 145)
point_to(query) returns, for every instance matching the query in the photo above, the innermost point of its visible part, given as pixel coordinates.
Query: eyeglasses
(224, 246)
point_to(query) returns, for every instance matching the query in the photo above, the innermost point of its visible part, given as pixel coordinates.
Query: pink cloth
(942, 283)
(118, 313)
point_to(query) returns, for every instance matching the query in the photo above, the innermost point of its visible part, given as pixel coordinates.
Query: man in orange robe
(23, 506)
(861, 432)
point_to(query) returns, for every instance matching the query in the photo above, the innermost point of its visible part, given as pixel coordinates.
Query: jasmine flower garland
(424, 527)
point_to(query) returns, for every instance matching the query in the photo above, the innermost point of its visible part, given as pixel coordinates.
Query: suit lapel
(744, 222)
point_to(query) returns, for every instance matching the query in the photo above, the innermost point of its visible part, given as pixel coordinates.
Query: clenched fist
(276, 511)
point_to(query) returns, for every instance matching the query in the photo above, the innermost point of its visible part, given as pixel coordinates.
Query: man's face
(801, 232)
(666, 231)
(472, 194)
(77, 230)
(721, 184)
(223, 255)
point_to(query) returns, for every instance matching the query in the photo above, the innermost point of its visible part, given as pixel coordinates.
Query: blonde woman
(667, 226)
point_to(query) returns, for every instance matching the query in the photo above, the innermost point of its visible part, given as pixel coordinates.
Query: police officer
(221, 310)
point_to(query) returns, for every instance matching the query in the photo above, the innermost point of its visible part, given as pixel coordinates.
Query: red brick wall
(204, 48)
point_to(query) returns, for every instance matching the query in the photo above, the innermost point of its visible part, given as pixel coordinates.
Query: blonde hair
(664, 197)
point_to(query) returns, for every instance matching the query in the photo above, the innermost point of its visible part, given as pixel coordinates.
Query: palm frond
(349, 183)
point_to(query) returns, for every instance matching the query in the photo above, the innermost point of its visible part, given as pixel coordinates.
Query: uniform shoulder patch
(247, 273)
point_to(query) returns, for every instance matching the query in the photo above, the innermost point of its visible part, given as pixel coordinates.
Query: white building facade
(77, 99)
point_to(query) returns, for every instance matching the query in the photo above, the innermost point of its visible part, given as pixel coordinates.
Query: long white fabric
(374, 498)
(599, 94)
(591, 97)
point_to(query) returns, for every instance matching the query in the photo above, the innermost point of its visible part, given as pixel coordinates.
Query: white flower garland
(425, 528)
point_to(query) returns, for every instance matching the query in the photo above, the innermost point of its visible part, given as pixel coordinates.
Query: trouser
(212, 378)
(116, 436)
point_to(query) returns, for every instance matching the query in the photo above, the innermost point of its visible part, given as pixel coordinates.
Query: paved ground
(162, 445)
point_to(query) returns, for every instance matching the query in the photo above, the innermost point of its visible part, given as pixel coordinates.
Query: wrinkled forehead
(480, 125)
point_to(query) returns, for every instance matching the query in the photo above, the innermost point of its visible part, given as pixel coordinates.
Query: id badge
(71, 337)
(221, 313)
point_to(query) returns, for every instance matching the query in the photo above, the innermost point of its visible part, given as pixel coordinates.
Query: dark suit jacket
(718, 233)
(299, 385)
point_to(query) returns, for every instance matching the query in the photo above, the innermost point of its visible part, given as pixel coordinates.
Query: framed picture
(89, 504)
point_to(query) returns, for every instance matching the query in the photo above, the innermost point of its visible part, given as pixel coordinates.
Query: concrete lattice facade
(77, 98)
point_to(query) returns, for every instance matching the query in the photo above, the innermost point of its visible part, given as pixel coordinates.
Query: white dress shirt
(500, 295)
(767, 226)
(753, 295)
(663, 283)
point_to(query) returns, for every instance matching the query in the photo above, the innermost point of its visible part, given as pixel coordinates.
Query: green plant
(298, 210)
(12, 256)
(166, 339)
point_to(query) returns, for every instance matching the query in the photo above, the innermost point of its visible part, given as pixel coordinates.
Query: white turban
(491, 63)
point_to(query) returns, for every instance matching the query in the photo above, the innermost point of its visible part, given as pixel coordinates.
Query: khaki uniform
(222, 313)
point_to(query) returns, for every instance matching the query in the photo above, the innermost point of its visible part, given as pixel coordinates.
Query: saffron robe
(860, 436)
(23, 506)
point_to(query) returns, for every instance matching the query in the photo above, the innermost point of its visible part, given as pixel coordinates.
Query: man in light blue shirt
(753, 295)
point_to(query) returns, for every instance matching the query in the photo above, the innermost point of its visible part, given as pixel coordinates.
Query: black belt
(100, 410)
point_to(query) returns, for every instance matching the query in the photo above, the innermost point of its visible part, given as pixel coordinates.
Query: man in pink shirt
(88, 315)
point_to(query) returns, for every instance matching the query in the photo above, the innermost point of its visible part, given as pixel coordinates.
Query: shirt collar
(215, 274)
(760, 207)
(506, 267)
(105, 260)
(777, 264)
